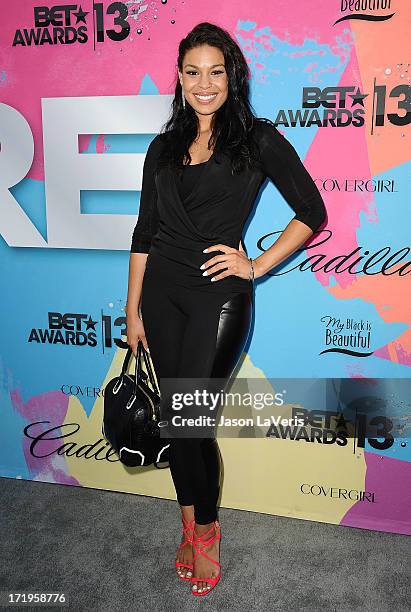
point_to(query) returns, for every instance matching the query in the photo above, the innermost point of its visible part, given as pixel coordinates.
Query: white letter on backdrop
(16, 157)
(67, 171)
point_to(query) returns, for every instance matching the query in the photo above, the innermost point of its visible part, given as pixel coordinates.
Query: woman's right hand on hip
(135, 332)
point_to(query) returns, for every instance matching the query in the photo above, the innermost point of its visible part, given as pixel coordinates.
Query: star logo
(81, 15)
(90, 323)
(358, 98)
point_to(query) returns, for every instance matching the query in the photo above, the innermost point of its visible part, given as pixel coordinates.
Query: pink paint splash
(387, 293)
(50, 408)
(390, 480)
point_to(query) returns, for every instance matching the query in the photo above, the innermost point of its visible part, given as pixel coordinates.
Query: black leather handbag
(131, 421)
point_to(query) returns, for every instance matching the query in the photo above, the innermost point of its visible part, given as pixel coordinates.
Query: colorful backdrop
(83, 90)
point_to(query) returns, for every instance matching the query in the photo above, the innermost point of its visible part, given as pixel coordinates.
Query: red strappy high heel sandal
(199, 543)
(187, 526)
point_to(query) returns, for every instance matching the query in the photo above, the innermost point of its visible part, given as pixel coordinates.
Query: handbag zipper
(151, 403)
(154, 417)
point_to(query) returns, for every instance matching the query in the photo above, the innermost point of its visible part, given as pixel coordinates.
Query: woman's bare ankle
(187, 512)
(200, 528)
(185, 552)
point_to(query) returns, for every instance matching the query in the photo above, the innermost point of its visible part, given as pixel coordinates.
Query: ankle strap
(186, 523)
(202, 537)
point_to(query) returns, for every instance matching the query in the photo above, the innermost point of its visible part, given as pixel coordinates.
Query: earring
(183, 99)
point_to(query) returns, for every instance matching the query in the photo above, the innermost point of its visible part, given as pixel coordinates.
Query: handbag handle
(138, 373)
(139, 370)
(151, 376)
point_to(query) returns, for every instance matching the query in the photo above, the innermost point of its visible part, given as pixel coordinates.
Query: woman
(188, 271)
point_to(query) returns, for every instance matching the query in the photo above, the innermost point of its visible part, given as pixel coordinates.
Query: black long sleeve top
(191, 174)
(175, 226)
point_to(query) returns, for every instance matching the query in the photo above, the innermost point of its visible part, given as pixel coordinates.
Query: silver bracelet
(251, 273)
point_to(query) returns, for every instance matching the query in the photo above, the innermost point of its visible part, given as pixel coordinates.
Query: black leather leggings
(194, 334)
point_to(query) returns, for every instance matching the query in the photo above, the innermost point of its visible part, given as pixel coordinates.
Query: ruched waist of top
(180, 263)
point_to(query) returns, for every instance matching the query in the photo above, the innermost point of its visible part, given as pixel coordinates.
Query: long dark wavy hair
(231, 124)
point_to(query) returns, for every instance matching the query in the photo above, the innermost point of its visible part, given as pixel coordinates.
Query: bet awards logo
(327, 427)
(71, 329)
(61, 24)
(66, 24)
(80, 329)
(344, 106)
